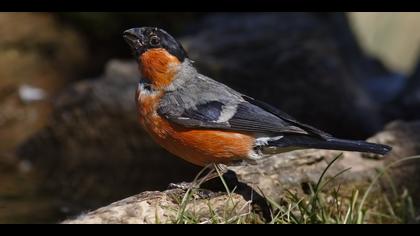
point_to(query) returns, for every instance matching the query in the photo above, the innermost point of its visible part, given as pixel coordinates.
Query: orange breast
(200, 147)
(155, 64)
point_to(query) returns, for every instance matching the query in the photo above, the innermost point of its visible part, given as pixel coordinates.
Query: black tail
(304, 141)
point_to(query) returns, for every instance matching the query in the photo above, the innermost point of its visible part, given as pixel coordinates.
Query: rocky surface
(164, 207)
(294, 171)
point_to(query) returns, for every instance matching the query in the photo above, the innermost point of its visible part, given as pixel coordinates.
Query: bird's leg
(215, 170)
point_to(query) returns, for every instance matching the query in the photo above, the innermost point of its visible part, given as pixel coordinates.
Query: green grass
(321, 206)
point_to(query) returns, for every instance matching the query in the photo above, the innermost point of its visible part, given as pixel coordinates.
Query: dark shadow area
(102, 31)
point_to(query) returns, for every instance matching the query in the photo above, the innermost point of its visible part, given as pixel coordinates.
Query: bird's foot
(215, 170)
(194, 188)
(183, 186)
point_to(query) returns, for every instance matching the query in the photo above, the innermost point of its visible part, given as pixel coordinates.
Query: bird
(204, 121)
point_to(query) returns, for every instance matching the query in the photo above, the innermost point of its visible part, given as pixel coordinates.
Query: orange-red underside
(198, 146)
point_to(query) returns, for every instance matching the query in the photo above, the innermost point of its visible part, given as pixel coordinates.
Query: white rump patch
(253, 155)
(264, 140)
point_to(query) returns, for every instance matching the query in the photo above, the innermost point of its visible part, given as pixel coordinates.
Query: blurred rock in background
(38, 57)
(38, 53)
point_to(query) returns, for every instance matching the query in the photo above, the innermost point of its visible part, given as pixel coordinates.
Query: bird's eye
(154, 41)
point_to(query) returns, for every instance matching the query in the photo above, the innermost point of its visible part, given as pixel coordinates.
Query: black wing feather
(250, 117)
(287, 117)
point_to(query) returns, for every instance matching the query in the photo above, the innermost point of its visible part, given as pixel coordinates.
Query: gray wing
(212, 105)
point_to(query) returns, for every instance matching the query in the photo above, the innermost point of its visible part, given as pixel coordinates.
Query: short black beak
(133, 39)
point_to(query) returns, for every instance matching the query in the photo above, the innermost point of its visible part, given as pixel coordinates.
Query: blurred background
(69, 140)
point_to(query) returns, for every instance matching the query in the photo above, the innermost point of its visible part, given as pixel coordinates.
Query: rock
(309, 65)
(295, 171)
(404, 137)
(163, 207)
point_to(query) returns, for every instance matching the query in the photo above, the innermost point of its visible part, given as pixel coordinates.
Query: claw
(183, 186)
(197, 193)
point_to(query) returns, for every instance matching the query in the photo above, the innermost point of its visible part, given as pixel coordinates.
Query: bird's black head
(144, 38)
